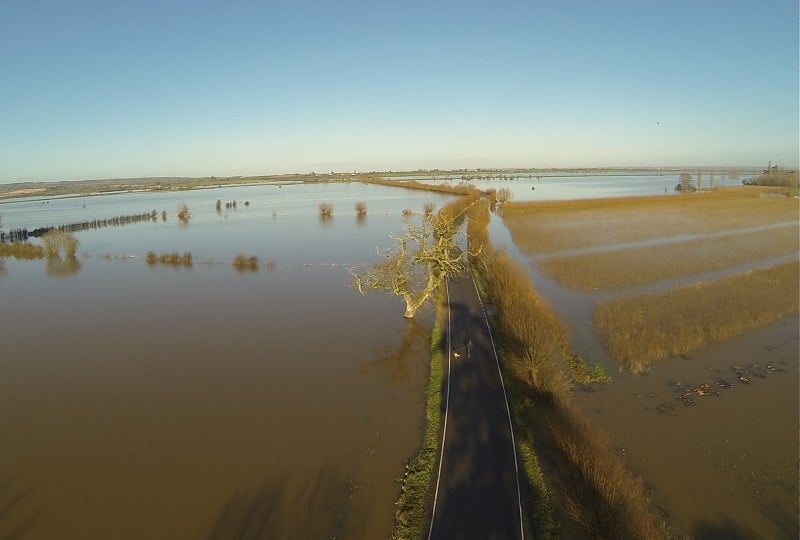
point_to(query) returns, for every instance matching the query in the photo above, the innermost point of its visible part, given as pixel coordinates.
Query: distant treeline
(22, 235)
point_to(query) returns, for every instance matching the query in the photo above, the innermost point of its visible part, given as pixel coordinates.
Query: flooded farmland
(146, 401)
(711, 430)
(202, 400)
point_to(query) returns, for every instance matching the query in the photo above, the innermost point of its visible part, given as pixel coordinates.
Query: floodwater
(546, 187)
(145, 401)
(723, 467)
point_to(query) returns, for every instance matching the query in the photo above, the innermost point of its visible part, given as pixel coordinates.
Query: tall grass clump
(21, 250)
(242, 263)
(169, 259)
(325, 210)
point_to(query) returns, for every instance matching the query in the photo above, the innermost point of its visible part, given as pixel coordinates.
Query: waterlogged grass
(636, 266)
(169, 259)
(552, 226)
(413, 506)
(641, 330)
(244, 263)
(21, 250)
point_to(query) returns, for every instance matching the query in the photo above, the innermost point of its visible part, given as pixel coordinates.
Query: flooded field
(549, 186)
(712, 429)
(146, 401)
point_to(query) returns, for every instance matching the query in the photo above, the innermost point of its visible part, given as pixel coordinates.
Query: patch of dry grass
(21, 250)
(244, 263)
(594, 486)
(641, 330)
(170, 259)
(636, 266)
(551, 226)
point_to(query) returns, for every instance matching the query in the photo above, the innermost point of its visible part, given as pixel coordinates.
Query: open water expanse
(141, 401)
(174, 402)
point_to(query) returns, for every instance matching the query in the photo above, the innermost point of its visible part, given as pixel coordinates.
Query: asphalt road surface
(478, 489)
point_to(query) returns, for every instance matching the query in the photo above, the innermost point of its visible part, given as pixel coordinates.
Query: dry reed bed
(551, 226)
(641, 330)
(637, 266)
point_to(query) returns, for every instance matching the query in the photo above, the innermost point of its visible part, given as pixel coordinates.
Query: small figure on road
(469, 348)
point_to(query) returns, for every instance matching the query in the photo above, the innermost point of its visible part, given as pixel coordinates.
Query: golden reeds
(21, 250)
(641, 330)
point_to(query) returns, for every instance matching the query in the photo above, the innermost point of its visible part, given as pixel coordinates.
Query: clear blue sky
(100, 89)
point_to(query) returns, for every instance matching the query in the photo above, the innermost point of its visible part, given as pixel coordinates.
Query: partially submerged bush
(325, 209)
(361, 208)
(428, 208)
(57, 243)
(241, 262)
(21, 250)
(183, 213)
(171, 259)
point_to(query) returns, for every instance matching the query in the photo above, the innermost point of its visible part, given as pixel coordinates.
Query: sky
(99, 89)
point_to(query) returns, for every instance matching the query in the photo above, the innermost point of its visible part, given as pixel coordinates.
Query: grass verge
(413, 506)
(641, 330)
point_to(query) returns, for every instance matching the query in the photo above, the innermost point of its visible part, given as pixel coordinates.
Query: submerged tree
(419, 261)
(56, 243)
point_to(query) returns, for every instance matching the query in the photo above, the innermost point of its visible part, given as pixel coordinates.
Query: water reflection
(15, 519)
(58, 267)
(397, 363)
(314, 507)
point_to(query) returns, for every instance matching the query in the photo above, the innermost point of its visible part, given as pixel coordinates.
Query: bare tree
(419, 261)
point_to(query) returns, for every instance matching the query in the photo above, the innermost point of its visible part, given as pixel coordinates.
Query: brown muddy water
(158, 402)
(724, 466)
(205, 404)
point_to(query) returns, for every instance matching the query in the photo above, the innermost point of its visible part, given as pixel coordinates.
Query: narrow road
(477, 489)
